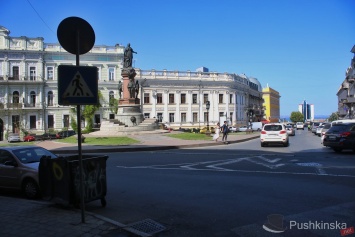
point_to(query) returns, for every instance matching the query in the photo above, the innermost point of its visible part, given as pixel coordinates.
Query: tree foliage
(296, 116)
(333, 116)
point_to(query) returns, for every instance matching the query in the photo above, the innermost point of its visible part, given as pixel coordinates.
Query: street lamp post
(208, 127)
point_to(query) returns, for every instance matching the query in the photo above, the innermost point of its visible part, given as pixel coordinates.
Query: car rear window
(340, 127)
(272, 127)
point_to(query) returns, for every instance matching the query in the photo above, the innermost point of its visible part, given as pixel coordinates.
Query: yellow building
(272, 104)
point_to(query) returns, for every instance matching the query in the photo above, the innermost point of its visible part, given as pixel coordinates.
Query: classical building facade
(29, 89)
(272, 104)
(346, 92)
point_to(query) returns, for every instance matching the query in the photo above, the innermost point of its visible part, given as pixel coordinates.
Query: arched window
(111, 97)
(32, 99)
(15, 97)
(50, 98)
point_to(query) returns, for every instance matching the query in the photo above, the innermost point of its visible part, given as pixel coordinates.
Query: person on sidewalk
(217, 131)
(225, 130)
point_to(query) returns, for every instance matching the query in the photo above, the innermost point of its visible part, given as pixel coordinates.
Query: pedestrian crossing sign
(77, 85)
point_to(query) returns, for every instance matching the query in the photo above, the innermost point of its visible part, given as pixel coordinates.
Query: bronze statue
(128, 56)
(137, 89)
(131, 88)
(119, 89)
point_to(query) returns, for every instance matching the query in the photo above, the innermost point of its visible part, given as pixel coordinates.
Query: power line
(40, 17)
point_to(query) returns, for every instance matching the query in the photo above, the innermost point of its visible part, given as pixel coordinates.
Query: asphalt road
(231, 190)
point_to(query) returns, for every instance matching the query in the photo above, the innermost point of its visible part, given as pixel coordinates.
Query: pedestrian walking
(217, 131)
(225, 130)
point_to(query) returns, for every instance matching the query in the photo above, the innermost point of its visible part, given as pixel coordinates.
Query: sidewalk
(22, 217)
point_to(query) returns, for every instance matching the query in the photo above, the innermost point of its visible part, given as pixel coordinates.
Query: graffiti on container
(94, 178)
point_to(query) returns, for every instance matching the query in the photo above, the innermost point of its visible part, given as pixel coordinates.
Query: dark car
(340, 136)
(19, 168)
(45, 136)
(64, 134)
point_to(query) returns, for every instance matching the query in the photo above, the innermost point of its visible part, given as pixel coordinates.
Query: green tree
(296, 116)
(87, 112)
(333, 116)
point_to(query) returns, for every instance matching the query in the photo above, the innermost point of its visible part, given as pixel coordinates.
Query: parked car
(64, 134)
(340, 136)
(324, 130)
(314, 127)
(29, 138)
(19, 168)
(46, 136)
(257, 126)
(233, 129)
(243, 128)
(319, 129)
(13, 137)
(274, 133)
(290, 130)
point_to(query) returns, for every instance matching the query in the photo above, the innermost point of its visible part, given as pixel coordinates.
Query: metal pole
(78, 118)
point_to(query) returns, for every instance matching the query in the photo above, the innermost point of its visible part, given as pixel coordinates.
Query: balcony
(14, 105)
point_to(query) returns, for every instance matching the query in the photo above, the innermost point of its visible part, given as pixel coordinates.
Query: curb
(147, 148)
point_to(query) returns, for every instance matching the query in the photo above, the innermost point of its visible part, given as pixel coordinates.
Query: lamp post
(208, 127)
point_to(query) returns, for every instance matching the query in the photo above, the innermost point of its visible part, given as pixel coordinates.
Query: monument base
(129, 114)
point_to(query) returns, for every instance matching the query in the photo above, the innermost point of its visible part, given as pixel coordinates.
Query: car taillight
(263, 132)
(345, 134)
(282, 132)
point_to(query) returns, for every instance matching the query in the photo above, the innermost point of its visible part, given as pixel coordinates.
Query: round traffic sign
(76, 35)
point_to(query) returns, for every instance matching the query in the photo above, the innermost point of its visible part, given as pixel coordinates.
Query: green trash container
(59, 179)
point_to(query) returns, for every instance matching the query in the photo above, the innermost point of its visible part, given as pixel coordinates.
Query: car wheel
(262, 144)
(336, 149)
(30, 189)
(286, 144)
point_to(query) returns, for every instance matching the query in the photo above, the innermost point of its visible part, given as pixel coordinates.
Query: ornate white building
(346, 92)
(29, 89)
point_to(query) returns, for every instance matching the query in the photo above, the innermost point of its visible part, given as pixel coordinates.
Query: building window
(15, 97)
(33, 122)
(146, 98)
(194, 117)
(146, 115)
(230, 98)
(231, 117)
(171, 98)
(220, 98)
(159, 98)
(194, 98)
(32, 99)
(221, 114)
(111, 74)
(160, 117)
(205, 116)
(111, 116)
(183, 98)
(50, 73)
(111, 98)
(50, 121)
(66, 121)
(32, 73)
(183, 117)
(171, 117)
(98, 74)
(50, 98)
(205, 98)
(15, 73)
(15, 123)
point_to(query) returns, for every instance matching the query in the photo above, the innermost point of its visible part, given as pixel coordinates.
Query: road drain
(146, 227)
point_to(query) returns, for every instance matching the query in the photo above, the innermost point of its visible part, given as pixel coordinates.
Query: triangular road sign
(77, 88)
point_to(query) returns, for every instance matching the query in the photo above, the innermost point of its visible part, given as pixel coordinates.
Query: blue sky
(299, 48)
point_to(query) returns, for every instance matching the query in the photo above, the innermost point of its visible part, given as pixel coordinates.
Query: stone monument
(129, 111)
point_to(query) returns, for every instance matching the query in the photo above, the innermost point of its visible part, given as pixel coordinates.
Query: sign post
(76, 36)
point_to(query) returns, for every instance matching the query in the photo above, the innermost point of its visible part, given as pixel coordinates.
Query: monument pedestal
(129, 110)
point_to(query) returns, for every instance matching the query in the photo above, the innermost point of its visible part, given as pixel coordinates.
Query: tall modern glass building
(307, 110)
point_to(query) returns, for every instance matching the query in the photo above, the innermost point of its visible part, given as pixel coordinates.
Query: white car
(13, 137)
(299, 125)
(274, 133)
(243, 128)
(233, 129)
